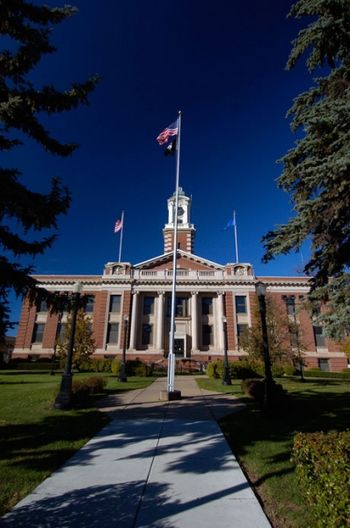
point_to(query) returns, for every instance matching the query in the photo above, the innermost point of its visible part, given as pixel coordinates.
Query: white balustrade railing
(180, 274)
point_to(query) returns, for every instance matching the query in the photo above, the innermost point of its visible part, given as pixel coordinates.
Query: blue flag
(231, 222)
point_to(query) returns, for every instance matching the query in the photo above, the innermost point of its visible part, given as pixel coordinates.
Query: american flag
(118, 226)
(169, 131)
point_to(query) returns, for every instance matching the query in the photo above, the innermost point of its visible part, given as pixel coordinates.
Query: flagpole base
(170, 395)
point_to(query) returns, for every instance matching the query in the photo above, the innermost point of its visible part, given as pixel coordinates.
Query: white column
(160, 322)
(194, 321)
(219, 321)
(133, 325)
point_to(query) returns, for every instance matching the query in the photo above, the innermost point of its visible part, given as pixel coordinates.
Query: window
(207, 305)
(241, 304)
(112, 333)
(148, 305)
(147, 334)
(294, 337)
(41, 306)
(61, 332)
(181, 306)
(323, 364)
(38, 333)
(207, 335)
(241, 329)
(114, 303)
(290, 304)
(89, 306)
(319, 337)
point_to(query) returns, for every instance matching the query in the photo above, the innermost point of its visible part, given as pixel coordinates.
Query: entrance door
(179, 347)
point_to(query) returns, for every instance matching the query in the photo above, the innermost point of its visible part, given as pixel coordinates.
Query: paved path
(155, 465)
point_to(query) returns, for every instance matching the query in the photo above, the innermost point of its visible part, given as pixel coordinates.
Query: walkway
(155, 465)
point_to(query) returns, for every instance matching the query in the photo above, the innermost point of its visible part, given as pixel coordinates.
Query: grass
(36, 439)
(263, 442)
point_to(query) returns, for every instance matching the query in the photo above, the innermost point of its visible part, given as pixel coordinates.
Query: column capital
(194, 293)
(135, 293)
(161, 292)
(220, 293)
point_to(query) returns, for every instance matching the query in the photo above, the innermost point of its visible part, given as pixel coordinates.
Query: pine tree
(27, 28)
(316, 172)
(84, 343)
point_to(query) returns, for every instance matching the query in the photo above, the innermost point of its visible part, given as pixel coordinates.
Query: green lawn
(263, 442)
(36, 439)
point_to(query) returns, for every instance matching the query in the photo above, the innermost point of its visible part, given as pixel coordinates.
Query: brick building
(131, 302)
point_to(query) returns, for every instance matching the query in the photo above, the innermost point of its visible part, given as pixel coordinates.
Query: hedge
(317, 373)
(323, 472)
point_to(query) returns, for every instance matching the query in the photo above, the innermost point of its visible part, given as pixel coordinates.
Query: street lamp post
(260, 289)
(122, 373)
(64, 397)
(226, 380)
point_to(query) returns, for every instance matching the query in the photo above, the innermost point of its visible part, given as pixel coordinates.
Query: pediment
(185, 261)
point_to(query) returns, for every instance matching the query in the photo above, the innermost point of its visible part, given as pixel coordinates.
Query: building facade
(129, 306)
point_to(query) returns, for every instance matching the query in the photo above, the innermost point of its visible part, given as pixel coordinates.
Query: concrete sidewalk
(156, 464)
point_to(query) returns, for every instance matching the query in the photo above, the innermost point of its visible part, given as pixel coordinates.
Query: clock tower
(185, 230)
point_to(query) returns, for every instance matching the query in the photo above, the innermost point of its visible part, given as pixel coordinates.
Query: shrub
(101, 365)
(215, 369)
(254, 388)
(142, 370)
(131, 366)
(323, 471)
(289, 370)
(116, 366)
(277, 370)
(81, 389)
(211, 370)
(243, 370)
(96, 384)
(86, 366)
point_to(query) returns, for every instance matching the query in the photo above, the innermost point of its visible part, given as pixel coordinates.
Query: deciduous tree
(279, 329)
(84, 343)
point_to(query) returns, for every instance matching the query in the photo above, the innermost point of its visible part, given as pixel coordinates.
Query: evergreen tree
(84, 343)
(27, 28)
(316, 172)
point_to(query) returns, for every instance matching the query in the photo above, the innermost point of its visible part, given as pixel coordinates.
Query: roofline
(192, 256)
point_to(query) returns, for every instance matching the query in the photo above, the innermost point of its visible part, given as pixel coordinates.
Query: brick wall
(49, 337)
(126, 311)
(26, 326)
(100, 314)
(231, 324)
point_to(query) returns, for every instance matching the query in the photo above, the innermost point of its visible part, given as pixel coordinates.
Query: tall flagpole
(235, 235)
(121, 237)
(171, 357)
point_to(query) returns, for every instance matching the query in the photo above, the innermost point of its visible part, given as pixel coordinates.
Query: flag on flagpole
(170, 149)
(231, 222)
(118, 225)
(167, 133)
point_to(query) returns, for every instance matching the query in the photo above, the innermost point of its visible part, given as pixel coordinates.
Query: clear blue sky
(221, 63)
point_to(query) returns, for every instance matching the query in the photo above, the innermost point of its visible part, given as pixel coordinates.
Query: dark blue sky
(222, 64)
